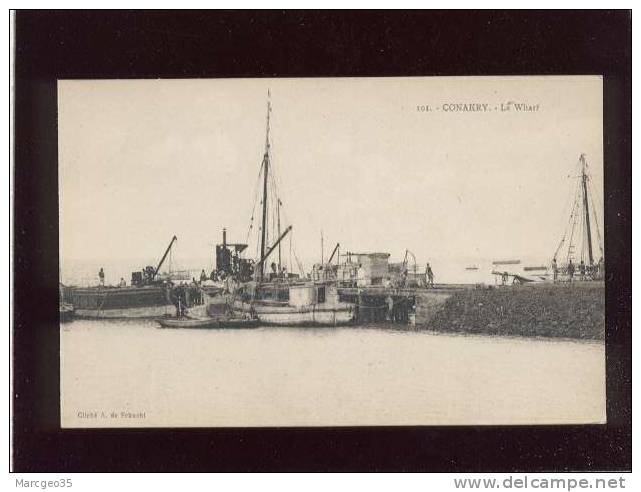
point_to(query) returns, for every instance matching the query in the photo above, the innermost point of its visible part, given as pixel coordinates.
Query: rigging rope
(568, 224)
(290, 254)
(573, 216)
(569, 207)
(274, 206)
(596, 217)
(584, 242)
(251, 220)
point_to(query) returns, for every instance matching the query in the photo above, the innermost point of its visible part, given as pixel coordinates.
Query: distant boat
(534, 268)
(471, 268)
(506, 262)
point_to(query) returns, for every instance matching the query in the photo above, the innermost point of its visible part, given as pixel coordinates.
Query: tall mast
(265, 174)
(586, 208)
(278, 204)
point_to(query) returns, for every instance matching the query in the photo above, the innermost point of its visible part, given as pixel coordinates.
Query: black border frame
(179, 44)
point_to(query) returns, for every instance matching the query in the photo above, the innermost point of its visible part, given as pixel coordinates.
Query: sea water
(134, 373)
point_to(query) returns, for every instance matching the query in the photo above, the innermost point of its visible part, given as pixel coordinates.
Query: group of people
(584, 272)
(218, 276)
(185, 296)
(402, 281)
(214, 276)
(123, 282)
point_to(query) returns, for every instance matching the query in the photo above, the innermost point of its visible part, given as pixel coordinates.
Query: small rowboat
(208, 322)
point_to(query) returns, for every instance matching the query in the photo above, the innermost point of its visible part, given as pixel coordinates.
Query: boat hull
(211, 323)
(145, 312)
(315, 315)
(115, 303)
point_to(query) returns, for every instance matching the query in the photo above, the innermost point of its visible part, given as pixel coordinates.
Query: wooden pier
(398, 305)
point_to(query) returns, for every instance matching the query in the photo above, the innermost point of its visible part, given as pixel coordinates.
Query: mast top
(584, 163)
(265, 169)
(269, 110)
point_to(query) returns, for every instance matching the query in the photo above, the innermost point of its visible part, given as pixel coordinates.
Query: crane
(162, 260)
(331, 257)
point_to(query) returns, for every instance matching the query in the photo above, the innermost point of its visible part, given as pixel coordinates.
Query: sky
(142, 160)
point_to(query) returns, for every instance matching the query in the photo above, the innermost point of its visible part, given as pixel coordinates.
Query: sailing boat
(575, 257)
(277, 298)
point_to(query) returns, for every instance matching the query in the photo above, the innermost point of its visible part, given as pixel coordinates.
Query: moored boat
(305, 304)
(221, 322)
(121, 302)
(149, 295)
(276, 298)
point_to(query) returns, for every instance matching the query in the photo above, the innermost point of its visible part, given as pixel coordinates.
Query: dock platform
(399, 304)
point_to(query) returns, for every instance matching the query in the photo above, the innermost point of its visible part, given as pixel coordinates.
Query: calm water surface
(131, 373)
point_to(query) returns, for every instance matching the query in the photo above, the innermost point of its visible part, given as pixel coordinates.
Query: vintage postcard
(331, 252)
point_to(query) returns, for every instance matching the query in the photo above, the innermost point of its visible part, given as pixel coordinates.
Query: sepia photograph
(331, 252)
(321, 241)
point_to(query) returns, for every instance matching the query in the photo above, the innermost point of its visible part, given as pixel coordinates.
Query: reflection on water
(322, 376)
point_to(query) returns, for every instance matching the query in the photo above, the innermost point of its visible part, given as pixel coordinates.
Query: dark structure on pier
(229, 262)
(399, 305)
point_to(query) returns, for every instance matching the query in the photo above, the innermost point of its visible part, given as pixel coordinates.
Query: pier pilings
(541, 310)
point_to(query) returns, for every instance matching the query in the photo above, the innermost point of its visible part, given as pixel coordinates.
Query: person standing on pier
(571, 270)
(430, 276)
(555, 269)
(101, 276)
(504, 278)
(390, 308)
(203, 276)
(582, 270)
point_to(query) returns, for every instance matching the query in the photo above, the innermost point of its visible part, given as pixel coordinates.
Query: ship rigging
(581, 240)
(277, 296)
(270, 237)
